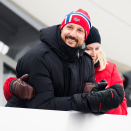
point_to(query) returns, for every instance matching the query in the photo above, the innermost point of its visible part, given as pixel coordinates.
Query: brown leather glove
(22, 89)
(88, 87)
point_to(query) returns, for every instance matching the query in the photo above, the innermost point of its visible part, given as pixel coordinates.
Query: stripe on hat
(86, 18)
(69, 16)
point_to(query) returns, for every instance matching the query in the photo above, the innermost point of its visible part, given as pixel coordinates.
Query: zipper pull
(78, 54)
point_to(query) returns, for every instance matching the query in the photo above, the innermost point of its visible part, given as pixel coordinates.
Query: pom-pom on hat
(93, 36)
(79, 17)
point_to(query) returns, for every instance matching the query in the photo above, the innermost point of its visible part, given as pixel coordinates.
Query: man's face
(73, 35)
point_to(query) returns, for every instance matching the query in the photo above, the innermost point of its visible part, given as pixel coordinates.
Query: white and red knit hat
(79, 17)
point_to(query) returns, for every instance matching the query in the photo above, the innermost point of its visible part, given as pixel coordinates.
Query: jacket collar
(97, 66)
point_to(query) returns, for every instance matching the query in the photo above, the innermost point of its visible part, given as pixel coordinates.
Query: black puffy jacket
(55, 71)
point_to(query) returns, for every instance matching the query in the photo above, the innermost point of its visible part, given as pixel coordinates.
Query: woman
(104, 69)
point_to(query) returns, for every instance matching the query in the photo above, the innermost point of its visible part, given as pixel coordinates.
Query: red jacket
(112, 76)
(6, 90)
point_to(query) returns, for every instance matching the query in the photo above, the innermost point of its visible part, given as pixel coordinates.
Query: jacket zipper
(77, 55)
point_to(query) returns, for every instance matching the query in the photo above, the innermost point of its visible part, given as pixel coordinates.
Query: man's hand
(22, 89)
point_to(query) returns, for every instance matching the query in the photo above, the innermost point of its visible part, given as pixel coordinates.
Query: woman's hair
(102, 60)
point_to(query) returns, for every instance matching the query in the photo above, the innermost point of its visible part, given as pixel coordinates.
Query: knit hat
(79, 17)
(93, 36)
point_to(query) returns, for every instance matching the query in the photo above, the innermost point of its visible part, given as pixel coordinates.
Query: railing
(19, 119)
(7, 69)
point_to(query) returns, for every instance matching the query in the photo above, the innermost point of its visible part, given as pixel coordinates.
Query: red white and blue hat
(79, 17)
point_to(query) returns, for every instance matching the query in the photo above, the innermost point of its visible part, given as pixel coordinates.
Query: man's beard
(73, 38)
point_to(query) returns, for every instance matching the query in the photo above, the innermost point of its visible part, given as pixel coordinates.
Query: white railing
(19, 119)
(12, 64)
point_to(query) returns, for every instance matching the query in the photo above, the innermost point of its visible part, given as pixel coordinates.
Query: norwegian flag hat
(79, 17)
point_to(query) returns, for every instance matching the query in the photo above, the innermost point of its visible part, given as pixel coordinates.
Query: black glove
(100, 86)
(22, 89)
(88, 86)
(100, 101)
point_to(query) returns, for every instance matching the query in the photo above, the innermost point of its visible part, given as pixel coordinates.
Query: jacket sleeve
(116, 79)
(40, 79)
(6, 90)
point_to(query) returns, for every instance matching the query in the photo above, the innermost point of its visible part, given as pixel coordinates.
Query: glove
(100, 86)
(88, 86)
(22, 89)
(100, 101)
(105, 100)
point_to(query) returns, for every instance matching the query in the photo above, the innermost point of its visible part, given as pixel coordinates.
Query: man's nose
(73, 33)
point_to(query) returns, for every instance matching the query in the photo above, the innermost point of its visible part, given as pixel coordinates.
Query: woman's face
(93, 50)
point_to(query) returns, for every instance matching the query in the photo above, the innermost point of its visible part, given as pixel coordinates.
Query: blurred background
(20, 22)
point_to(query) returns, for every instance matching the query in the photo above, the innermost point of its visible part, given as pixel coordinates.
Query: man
(58, 68)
